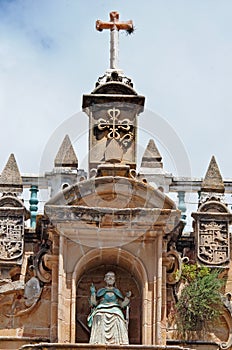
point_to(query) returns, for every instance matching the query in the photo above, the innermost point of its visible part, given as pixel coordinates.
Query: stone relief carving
(227, 302)
(114, 76)
(10, 200)
(11, 238)
(207, 196)
(120, 130)
(19, 297)
(227, 315)
(173, 262)
(41, 269)
(213, 242)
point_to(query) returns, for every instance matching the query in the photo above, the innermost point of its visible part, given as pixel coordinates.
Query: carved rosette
(213, 242)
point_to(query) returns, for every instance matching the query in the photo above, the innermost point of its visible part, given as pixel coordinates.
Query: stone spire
(213, 181)
(66, 156)
(10, 179)
(151, 157)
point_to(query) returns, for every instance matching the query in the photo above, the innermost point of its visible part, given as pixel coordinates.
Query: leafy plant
(200, 301)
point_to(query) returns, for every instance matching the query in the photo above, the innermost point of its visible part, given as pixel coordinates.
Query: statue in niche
(107, 321)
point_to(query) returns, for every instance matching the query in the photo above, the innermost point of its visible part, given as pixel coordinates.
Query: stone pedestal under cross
(114, 25)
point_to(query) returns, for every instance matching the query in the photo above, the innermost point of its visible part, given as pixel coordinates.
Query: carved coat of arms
(11, 238)
(213, 243)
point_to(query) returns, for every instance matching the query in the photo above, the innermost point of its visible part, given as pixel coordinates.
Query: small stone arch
(9, 200)
(213, 206)
(130, 275)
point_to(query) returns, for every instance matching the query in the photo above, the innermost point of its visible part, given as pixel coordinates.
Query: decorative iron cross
(114, 25)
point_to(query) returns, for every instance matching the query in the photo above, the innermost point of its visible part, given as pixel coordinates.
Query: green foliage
(192, 272)
(200, 301)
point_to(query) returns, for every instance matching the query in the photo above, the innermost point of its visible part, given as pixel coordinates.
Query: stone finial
(213, 181)
(66, 156)
(151, 157)
(10, 179)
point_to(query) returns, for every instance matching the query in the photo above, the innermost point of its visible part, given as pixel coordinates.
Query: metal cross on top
(114, 25)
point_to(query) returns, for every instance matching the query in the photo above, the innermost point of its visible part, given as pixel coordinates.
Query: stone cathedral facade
(111, 218)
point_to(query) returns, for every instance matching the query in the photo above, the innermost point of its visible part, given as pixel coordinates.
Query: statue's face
(110, 278)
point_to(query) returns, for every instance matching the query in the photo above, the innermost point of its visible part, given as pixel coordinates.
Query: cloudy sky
(179, 57)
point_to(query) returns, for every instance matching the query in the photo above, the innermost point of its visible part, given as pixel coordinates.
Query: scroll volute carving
(173, 263)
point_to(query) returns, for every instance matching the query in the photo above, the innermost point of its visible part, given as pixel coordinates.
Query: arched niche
(125, 281)
(130, 275)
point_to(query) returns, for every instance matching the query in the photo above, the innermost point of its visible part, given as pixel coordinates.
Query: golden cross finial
(114, 25)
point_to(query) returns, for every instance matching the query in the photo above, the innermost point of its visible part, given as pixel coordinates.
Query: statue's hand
(126, 300)
(92, 289)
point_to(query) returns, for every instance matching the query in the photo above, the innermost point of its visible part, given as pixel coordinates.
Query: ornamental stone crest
(117, 129)
(213, 242)
(11, 238)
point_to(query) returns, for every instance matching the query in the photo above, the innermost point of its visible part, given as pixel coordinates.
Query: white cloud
(179, 57)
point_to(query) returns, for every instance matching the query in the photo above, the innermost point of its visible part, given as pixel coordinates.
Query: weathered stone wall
(35, 323)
